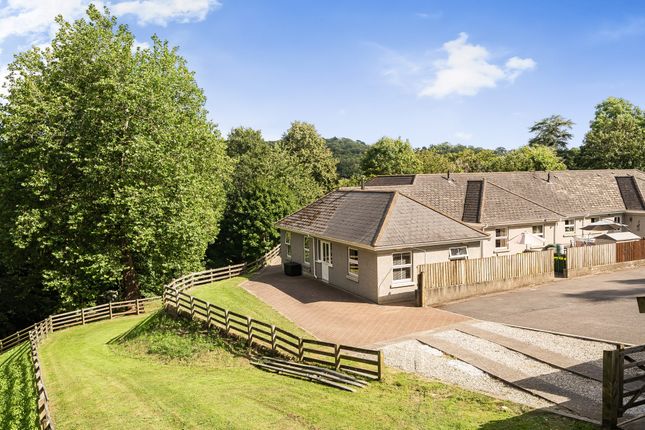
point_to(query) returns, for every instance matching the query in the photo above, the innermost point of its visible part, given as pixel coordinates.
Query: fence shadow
(608, 294)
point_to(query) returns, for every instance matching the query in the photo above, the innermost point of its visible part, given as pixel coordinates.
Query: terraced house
(368, 240)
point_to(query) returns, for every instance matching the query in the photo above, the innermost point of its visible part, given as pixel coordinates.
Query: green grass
(17, 392)
(228, 294)
(141, 372)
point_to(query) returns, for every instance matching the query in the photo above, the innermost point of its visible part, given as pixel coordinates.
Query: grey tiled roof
(382, 219)
(525, 196)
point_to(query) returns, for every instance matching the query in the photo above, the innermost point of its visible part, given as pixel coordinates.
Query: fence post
(380, 365)
(138, 310)
(83, 316)
(229, 272)
(208, 316)
(301, 349)
(249, 329)
(227, 322)
(273, 338)
(110, 308)
(192, 308)
(612, 396)
(337, 357)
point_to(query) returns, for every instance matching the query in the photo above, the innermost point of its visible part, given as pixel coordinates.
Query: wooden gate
(623, 383)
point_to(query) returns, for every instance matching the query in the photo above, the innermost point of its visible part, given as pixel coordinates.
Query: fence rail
(623, 383)
(363, 362)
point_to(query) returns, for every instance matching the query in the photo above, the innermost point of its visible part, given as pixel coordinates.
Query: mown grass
(228, 294)
(157, 372)
(17, 392)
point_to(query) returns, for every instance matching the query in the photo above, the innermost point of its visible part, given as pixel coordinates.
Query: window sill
(352, 278)
(501, 250)
(569, 234)
(403, 284)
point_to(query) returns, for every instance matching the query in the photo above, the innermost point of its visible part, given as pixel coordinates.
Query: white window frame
(541, 227)
(306, 250)
(502, 237)
(321, 255)
(458, 256)
(352, 261)
(570, 229)
(287, 242)
(406, 281)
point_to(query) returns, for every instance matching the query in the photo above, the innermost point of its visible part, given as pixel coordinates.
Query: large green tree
(616, 138)
(531, 158)
(111, 175)
(242, 140)
(309, 148)
(267, 185)
(553, 132)
(390, 157)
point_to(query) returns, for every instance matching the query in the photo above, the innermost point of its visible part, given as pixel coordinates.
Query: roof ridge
(525, 198)
(441, 213)
(385, 219)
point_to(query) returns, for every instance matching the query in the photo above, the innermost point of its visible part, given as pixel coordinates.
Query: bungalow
(368, 240)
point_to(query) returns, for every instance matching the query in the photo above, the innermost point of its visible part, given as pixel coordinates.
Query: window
(569, 226)
(594, 219)
(401, 268)
(618, 219)
(459, 253)
(352, 262)
(501, 238)
(325, 252)
(538, 230)
(307, 250)
(287, 242)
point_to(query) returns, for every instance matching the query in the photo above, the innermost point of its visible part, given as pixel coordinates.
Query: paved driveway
(601, 306)
(336, 316)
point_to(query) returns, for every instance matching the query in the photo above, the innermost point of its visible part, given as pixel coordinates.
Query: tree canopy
(616, 138)
(268, 184)
(553, 132)
(348, 152)
(111, 175)
(389, 157)
(309, 148)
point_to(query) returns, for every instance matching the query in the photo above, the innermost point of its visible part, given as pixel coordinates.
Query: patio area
(337, 316)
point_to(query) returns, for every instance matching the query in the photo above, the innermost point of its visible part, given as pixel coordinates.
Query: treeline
(616, 139)
(113, 180)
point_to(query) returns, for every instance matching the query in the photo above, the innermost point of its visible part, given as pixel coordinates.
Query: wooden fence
(453, 280)
(363, 362)
(36, 335)
(630, 251)
(623, 383)
(581, 257)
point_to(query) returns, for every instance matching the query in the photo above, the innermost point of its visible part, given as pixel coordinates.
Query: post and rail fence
(623, 384)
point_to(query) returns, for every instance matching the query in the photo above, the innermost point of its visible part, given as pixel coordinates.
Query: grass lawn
(228, 294)
(17, 391)
(169, 374)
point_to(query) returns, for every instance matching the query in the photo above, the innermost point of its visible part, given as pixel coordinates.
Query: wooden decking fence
(480, 270)
(580, 257)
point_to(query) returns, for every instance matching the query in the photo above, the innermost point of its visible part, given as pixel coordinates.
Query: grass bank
(151, 371)
(17, 392)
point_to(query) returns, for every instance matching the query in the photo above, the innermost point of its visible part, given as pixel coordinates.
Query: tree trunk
(130, 283)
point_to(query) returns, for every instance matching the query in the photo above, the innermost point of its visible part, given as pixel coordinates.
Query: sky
(471, 72)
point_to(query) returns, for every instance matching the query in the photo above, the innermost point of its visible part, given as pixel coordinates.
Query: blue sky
(472, 72)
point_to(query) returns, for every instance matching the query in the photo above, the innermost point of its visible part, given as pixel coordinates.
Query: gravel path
(578, 349)
(566, 382)
(414, 356)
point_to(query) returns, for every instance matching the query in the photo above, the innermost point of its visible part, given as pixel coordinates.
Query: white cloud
(142, 45)
(160, 12)
(426, 15)
(35, 18)
(468, 69)
(463, 136)
(3, 78)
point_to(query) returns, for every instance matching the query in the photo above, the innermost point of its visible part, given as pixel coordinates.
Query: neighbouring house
(368, 240)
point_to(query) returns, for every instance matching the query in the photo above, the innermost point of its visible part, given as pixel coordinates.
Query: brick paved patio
(334, 315)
